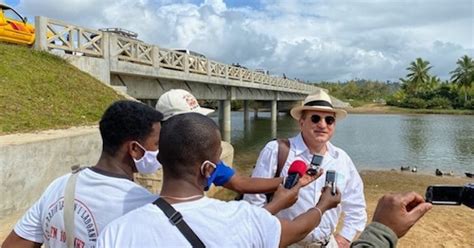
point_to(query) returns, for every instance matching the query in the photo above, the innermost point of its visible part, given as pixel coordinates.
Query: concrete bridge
(145, 71)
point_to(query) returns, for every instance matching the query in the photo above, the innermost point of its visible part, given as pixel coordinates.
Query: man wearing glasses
(317, 120)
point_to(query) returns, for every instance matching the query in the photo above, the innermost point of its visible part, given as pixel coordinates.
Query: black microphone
(297, 169)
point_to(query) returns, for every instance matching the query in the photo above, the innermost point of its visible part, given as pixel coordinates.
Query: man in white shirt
(189, 160)
(130, 132)
(317, 119)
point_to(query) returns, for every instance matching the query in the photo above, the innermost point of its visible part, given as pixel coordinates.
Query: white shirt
(216, 223)
(347, 179)
(99, 199)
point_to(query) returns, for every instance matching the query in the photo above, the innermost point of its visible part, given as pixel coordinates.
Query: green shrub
(469, 104)
(439, 103)
(413, 102)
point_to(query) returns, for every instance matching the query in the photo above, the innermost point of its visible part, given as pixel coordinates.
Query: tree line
(419, 88)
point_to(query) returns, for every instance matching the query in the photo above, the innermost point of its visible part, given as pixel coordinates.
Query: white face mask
(148, 164)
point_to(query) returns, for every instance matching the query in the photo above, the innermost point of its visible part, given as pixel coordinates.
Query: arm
(14, 241)
(394, 215)
(251, 185)
(265, 168)
(376, 235)
(353, 207)
(297, 229)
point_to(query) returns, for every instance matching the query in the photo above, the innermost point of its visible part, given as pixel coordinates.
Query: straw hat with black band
(319, 101)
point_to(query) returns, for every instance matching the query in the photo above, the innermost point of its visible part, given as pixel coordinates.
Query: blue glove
(223, 174)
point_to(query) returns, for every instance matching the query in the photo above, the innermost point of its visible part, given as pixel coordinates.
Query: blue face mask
(213, 175)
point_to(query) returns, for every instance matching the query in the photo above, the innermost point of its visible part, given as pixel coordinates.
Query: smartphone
(331, 180)
(444, 195)
(316, 162)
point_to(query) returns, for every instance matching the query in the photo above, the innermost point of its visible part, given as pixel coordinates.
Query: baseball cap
(178, 101)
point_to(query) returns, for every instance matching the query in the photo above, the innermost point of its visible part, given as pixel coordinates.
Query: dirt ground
(443, 226)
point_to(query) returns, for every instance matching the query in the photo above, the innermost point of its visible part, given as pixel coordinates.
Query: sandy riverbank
(442, 227)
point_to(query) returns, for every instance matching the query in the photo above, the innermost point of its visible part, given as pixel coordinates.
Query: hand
(285, 198)
(341, 241)
(307, 179)
(400, 212)
(328, 200)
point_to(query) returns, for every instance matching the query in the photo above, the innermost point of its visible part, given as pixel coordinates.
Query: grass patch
(42, 91)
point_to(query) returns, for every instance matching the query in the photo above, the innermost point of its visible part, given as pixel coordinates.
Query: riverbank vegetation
(41, 91)
(419, 91)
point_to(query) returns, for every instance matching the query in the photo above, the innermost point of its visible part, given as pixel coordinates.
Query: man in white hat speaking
(317, 120)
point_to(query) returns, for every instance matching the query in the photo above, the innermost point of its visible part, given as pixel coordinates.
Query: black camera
(316, 162)
(451, 195)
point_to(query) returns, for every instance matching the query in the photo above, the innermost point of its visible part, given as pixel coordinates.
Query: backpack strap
(283, 151)
(177, 220)
(68, 215)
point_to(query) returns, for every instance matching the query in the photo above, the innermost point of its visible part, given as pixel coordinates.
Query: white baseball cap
(178, 101)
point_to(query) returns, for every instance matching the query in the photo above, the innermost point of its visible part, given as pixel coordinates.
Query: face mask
(148, 164)
(213, 175)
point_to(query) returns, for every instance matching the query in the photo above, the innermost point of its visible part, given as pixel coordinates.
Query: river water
(377, 142)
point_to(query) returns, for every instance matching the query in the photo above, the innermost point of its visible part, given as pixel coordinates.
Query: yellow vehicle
(14, 28)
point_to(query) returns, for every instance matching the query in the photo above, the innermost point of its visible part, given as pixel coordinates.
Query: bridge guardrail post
(208, 67)
(41, 29)
(226, 71)
(186, 63)
(113, 50)
(106, 45)
(155, 56)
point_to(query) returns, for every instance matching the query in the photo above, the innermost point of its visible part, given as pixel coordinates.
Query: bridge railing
(57, 35)
(131, 50)
(73, 39)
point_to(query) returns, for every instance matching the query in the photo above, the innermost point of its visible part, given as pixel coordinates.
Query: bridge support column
(274, 117)
(274, 111)
(246, 111)
(220, 110)
(225, 119)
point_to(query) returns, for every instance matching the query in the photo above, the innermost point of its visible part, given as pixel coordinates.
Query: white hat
(320, 101)
(178, 101)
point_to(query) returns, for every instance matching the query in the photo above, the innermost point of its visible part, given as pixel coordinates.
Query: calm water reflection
(375, 141)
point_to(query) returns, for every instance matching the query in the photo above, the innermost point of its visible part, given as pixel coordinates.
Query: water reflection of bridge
(146, 71)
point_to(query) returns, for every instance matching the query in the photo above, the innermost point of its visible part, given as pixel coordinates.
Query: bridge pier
(225, 119)
(274, 116)
(246, 111)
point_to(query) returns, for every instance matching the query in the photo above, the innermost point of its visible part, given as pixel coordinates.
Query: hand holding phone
(316, 162)
(331, 180)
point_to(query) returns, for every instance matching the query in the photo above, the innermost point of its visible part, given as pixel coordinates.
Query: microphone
(297, 169)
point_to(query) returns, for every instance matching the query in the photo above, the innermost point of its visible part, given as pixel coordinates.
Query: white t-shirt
(100, 198)
(216, 223)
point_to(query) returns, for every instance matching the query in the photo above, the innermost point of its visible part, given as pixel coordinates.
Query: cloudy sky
(313, 40)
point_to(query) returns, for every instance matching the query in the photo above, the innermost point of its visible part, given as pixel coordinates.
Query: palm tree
(463, 75)
(418, 79)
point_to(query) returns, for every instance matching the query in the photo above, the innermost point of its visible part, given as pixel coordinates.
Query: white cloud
(311, 40)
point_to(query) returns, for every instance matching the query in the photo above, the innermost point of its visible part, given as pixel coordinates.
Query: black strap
(177, 220)
(319, 103)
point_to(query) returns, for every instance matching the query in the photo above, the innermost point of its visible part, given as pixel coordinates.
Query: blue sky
(312, 40)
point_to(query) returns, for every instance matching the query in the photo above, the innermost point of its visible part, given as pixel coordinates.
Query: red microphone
(297, 169)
